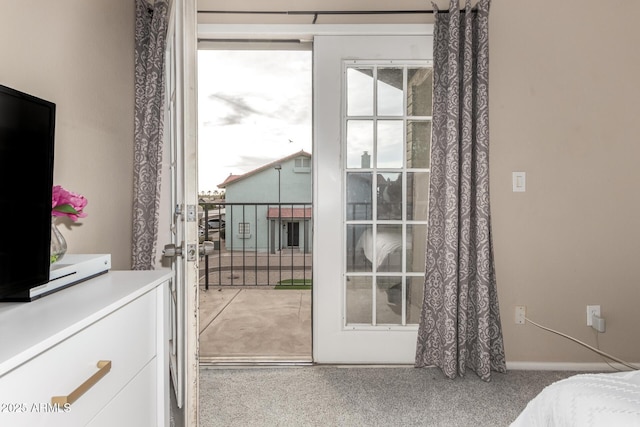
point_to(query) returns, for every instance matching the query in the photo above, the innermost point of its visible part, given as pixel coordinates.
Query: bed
(387, 243)
(586, 400)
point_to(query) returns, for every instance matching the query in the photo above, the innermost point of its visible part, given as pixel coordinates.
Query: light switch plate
(519, 182)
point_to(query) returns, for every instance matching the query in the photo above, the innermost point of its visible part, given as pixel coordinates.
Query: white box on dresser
(50, 347)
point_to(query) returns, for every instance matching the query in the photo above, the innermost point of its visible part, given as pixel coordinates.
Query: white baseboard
(565, 366)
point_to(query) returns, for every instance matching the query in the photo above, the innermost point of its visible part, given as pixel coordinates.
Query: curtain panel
(460, 321)
(150, 40)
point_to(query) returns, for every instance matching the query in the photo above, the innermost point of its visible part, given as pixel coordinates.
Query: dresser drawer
(135, 405)
(126, 338)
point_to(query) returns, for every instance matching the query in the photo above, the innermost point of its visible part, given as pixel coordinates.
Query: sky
(254, 107)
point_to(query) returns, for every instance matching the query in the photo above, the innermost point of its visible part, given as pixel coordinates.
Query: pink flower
(67, 203)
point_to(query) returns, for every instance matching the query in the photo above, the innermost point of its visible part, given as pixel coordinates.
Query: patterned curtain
(460, 321)
(151, 30)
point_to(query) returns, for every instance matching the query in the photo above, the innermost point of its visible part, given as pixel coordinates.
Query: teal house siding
(261, 223)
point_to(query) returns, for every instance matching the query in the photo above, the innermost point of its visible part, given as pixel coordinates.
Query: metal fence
(257, 244)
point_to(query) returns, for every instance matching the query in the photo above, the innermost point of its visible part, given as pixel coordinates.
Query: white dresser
(94, 354)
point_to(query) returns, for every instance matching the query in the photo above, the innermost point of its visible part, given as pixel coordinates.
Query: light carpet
(364, 396)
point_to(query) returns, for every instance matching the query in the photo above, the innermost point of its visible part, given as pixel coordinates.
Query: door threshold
(212, 362)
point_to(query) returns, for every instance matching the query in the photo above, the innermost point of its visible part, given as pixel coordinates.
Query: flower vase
(58, 244)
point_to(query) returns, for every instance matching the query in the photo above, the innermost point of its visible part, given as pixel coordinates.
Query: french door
(180, 139)
(372, 128)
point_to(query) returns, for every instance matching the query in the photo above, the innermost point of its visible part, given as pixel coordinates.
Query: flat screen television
(27, 125)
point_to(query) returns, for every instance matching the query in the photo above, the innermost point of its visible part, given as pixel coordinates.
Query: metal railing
(257, 244)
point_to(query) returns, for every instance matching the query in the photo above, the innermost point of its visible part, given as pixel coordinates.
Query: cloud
(295, 111)
(238, 108)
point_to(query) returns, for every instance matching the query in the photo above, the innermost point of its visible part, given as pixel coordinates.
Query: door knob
(171, 250)
(206, 248)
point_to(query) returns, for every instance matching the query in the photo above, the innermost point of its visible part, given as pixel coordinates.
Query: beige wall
(79, 54)
(565, 109)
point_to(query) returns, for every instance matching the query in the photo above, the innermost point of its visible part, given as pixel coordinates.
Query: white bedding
(387, 242)
(586, 400)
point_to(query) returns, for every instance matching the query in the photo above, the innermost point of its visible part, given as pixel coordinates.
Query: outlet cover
(591, 310)
(520, 314)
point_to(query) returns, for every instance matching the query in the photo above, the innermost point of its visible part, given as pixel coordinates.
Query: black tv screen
(27, 126)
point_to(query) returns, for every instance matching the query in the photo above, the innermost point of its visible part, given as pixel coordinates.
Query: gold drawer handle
(104, 366)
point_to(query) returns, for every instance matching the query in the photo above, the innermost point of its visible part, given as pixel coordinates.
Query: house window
(302, 165)
(244, 230)
(387, 133)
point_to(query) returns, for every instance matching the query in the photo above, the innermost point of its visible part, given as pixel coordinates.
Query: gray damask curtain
(151, 30)
(460, 321)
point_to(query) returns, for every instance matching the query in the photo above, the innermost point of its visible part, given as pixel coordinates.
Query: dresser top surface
(29, 328)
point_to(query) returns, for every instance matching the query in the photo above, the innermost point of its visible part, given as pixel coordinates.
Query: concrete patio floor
(263, 325)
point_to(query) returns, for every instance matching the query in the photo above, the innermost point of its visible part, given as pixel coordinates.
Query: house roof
(235, 178)
(229, 179)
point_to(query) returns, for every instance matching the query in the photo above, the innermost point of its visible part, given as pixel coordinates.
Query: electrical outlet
(591, 310)
(521, 312)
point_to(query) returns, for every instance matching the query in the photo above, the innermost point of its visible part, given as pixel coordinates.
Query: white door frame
(306, 33)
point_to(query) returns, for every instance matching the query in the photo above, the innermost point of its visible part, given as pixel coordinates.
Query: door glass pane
(417, 195)
(416, 241)
(386, 186)
(389, 300)
(389, 192)
(390, 93)
(415, 296)
(359, 143)
(389, 248)
(359, 248)
(359, 196)
(418, 143)
(390, 136)
(419, 91)
(359, 91)
(359, 300)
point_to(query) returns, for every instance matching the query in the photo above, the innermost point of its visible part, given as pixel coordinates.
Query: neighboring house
(269, 208)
